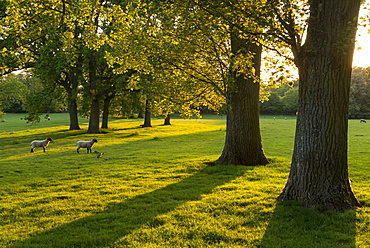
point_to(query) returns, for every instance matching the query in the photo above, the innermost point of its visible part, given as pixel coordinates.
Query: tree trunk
(73, 115)
(167, 120)
(319, 170)
(106, 106)
(243, 145)
(94, 117)
(95, 102)
(70, 84)
(104, 122)
(72, 96)
(147, 115)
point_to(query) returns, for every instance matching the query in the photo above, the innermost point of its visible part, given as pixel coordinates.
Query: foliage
(26, 93)
(144, 197)
(12, 93)
(360, 90)
(283, 100)
(185, 47)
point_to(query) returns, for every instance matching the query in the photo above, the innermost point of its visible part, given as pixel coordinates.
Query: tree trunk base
(93, 132)
(339, 202)
(247, 161)
(74, 128)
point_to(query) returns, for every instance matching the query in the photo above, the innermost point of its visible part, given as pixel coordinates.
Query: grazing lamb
(100, 154)
(363, 120)
(86, 144)
(40, 143)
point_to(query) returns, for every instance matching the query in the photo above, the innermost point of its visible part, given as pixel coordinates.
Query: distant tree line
(359, 100)
(284, 100)
(24, 93)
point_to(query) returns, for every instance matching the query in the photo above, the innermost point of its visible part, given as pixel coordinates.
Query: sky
(361, 56)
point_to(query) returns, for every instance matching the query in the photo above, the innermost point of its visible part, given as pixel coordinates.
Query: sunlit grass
(159, 187)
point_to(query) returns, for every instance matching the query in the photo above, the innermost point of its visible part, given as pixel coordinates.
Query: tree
(92, 91)
(290, 101)
(7, 44)
(319, 170)
(282, 100)
(243, 144)
(47, 31)
(359, 103)
(12, 93)
(211, 49)
(55, 64)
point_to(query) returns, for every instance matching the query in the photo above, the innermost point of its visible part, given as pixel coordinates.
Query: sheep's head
(94, 140)
(49, 139)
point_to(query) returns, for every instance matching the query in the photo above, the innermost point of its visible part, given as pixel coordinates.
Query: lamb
(40, 143)
(363, 120)
(100, 154)
(86, 144)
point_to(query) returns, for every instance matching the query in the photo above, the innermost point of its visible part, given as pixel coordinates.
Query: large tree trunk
(319, 170)
(243, 145)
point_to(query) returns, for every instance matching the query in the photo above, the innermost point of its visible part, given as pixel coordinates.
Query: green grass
(159, 187)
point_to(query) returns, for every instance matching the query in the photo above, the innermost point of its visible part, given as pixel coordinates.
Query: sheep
(100, 154)
(40, 143)
(363, 120)
(86, 144)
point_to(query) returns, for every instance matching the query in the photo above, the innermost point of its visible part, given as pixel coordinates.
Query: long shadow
(292, 225)
(104, 228)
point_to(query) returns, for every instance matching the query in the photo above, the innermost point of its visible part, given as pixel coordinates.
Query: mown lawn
(159, 187)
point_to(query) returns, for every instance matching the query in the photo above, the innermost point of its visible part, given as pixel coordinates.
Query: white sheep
(40, 143)
(363, 120)
(86, 144)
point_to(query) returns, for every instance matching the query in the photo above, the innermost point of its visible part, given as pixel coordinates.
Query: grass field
(159, 187)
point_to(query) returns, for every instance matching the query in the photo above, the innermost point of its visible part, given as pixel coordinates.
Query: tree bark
(73, 115)
(94, 117)
(147, 115)
(106, 106)
(319, 170)
(72, 96)
(70, 84)
(167, 120)
(92, 92)
(243, 144)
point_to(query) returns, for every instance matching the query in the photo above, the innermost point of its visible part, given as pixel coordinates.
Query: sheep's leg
(88, 149)
(31, 150)
(78, 150)
(43, 148)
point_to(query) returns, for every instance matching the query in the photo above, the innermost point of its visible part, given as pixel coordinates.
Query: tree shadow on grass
(292, 225)
(104, 228)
